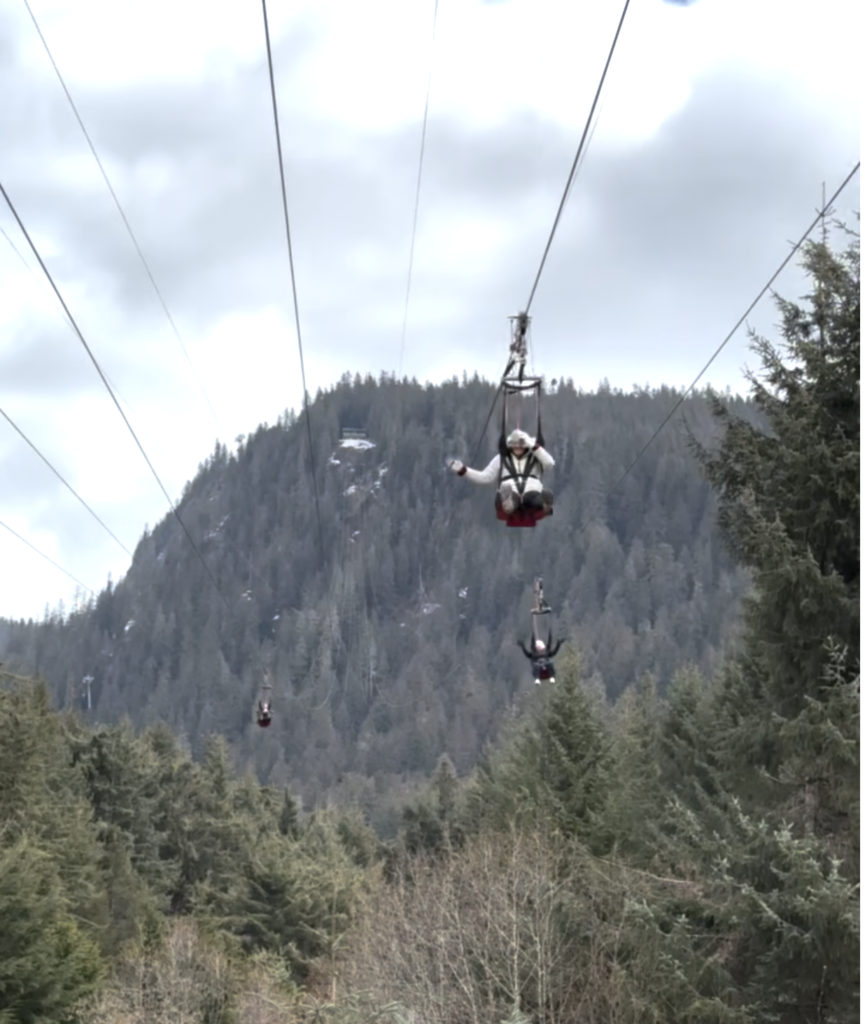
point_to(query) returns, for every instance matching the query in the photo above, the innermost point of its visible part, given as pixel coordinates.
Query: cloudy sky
(719, 124)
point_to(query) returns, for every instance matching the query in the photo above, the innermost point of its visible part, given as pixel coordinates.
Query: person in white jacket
(521, 474)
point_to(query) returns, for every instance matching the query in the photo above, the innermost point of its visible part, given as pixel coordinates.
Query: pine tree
(789, 497)
(637, 796)
(434, 822)
(288, 815)
(554, 772)
(121, 780)
(42, 799)
(782, 845)
(292, 898)
(47, 962)
(690, 731)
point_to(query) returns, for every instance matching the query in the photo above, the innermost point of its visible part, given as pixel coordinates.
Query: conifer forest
(666, 834)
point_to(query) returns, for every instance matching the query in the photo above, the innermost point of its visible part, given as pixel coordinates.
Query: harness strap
(508, 471)
(539, 437)
(507, 466)
(503, 438)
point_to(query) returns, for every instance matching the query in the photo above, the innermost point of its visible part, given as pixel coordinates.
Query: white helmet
(519, 437)
(540, 645)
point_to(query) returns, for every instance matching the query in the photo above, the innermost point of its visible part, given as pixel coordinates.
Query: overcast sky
(720, 121)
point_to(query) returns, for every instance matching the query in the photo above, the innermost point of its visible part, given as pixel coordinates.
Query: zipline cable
(576, 162)
(123, 217)
(65, 483)
(16, 250)
(723, 344)
(588, 134)
(117, 391)
(108, 387)
(486, 424)
(579, 165)
(58, 309)
(417, 192)
(75, 327)
(34, 275)
(47, 558)
(291, 267)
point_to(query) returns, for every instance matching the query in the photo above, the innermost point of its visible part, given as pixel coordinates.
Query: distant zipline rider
(263, 715)
(541, 656)
(263, 712)
(541, 653)
(521, 498)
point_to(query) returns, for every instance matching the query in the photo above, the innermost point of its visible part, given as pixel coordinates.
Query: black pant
(533, 500)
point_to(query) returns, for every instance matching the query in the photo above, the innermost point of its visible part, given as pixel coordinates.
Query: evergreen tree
(690, 737)
(292, 898)
(121, 779)
(288, 816)
(782, 841)
(47, 961)
(434, 823)
(789, 498)
(637, 796)
(42, 799)
(554, 772)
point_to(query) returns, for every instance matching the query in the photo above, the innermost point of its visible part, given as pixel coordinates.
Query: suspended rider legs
(536, 500)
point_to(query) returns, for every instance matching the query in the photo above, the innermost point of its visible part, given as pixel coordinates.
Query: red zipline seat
(522, 516)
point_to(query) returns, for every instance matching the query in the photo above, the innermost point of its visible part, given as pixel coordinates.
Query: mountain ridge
(387, 613)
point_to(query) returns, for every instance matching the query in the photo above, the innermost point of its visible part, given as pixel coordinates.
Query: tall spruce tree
(47, 961)
(637, 796)
(787, 708)
(789, 497)
(554, 771)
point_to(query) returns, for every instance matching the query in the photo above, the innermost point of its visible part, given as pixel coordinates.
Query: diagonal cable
(291, 268)
(588, 134)
(576, 162)
(15, 249)
(107, 385)
(65, 483)
(486, 424)
(59, 311)
(123, 217)
(417, 192)
(47, 558)
(723, 344)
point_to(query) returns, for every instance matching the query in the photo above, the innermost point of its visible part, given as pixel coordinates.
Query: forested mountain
(386, 603)
(689, 854)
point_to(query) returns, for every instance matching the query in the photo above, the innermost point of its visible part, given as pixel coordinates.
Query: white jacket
(542, 459)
